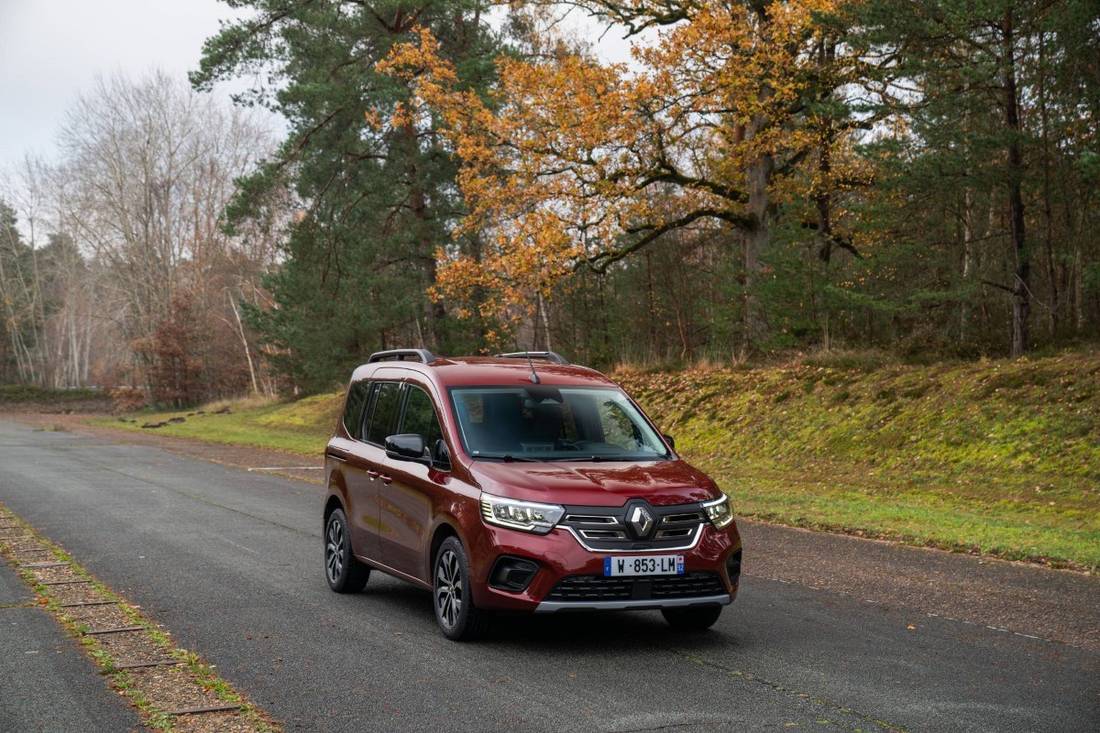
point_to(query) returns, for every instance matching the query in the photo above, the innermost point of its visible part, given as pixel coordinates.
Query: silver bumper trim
(652, 603)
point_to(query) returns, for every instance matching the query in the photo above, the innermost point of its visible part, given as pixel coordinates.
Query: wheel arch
(333, 503)
(337, 494)
(444, 528)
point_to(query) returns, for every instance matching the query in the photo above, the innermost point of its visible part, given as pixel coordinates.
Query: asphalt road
(230, 563)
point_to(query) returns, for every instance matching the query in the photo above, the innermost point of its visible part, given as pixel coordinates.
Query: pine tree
(376, 194)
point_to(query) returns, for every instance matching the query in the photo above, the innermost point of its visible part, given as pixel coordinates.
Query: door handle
(386, 479)
(372, 475)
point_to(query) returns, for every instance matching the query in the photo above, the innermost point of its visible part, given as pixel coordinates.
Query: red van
(520, 483)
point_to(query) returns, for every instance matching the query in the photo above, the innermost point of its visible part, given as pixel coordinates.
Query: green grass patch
(997, 457)
(301, 427)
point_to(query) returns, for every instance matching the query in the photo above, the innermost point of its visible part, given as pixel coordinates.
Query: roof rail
(422, 355)
(550, 356)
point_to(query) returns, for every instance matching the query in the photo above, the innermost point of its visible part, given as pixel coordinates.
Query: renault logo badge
(641, 521)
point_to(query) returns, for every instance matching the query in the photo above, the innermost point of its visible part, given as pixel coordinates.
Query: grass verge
(302, 427)
(993, 457)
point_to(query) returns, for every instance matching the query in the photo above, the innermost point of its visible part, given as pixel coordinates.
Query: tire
(343, 572)
(458, 618)
(698, 618)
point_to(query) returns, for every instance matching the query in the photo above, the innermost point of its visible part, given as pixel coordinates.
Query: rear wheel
(698, 618)
(458, 618)
(343, 572)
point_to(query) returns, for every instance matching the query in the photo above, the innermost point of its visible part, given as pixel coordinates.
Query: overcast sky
(52, 50)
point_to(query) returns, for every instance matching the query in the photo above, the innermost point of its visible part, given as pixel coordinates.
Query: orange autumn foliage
(572, 162)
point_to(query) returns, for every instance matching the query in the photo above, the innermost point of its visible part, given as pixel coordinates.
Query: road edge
(18, 537)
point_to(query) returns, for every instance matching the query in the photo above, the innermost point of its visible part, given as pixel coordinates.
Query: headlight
(719, 512)
(527, 516)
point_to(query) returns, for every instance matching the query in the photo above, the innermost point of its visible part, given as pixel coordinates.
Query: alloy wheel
(334, 550)
(448, 588)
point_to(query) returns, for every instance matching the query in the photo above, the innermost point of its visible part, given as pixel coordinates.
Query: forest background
(762, 180)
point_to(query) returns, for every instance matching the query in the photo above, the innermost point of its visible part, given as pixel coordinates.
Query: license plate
(644, 565)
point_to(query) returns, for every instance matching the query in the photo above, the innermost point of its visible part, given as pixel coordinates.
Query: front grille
(592, 588)
(690, 585)
(588, 588)
(606, 528)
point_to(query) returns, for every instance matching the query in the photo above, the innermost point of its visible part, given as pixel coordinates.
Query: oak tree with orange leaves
(729, 117)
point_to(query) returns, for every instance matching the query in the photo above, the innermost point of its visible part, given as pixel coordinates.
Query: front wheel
(698, 618)
(343, 572)
(458, 618)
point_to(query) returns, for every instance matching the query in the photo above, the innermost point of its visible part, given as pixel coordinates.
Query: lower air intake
(589, 588)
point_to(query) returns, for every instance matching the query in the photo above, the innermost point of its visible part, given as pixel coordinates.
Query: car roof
(472, 371)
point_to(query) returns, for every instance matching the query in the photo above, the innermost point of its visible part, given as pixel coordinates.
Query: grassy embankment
(995, 457)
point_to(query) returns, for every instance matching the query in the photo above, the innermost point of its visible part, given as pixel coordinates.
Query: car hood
(661, 483)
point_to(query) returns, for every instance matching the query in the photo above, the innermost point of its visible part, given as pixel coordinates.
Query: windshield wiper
(594, 458)
(509, 458)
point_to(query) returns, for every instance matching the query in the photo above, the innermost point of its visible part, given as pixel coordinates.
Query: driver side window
(420, 419)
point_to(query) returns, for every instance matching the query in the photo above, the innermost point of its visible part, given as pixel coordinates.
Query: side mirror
(671, 441)
(407, 447)
(442, 454)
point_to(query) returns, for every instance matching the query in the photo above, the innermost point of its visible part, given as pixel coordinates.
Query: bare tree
(148, 169)
(126, 234)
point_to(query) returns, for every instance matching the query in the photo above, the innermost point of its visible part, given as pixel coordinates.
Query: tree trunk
(754, 243)
(823, 200)
(545, 323)
(437, 311)
(1048, 223)
(654, 341)
(968, 262)
(1021, 286)
(1078, 289)
(244, 344)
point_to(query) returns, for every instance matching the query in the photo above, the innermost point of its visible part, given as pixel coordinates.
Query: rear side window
(353, 408)
(384, 415)
(420, 417)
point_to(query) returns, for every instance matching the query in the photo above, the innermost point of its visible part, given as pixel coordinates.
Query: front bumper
(553, 606)
(559, 555)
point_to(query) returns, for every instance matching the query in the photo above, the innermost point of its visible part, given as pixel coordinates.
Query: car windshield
(554, 424)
